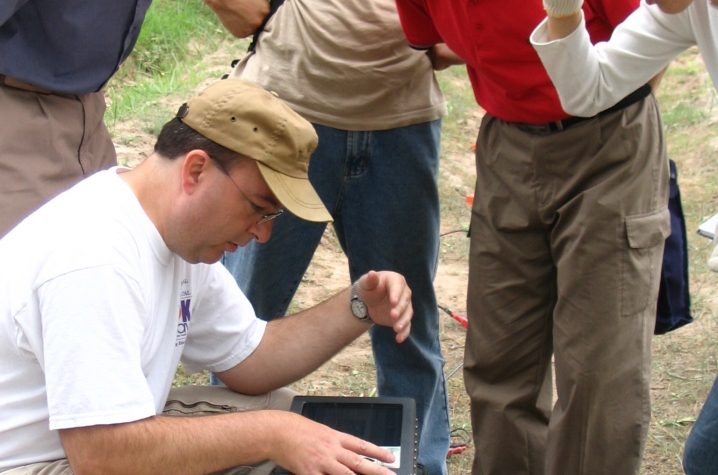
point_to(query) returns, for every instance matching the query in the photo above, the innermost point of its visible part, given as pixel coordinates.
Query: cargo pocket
(641, 266)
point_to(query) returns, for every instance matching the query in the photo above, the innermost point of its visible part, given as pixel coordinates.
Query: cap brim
(296, 195)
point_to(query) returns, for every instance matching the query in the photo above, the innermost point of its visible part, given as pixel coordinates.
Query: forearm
(294, 346)
(207, 444)
(177, 445)
(563, 26)
(240, 17)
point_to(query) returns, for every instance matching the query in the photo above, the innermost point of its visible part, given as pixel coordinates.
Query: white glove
(561, 8)
(713, 259)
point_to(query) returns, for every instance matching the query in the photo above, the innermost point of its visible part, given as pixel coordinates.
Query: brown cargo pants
(567, 236)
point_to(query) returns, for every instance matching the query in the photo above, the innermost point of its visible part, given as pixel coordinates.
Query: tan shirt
(345, 64)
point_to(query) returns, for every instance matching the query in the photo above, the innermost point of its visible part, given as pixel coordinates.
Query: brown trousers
(567, 236)
(194, 401)
(48, 143)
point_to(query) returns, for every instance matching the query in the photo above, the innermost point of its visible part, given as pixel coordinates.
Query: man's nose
(262, 231)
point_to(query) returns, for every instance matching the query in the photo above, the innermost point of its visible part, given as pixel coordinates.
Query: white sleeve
(92, 331)
(590, 79)
(224, 328)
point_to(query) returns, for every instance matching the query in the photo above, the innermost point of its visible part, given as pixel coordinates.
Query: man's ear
(195, 165)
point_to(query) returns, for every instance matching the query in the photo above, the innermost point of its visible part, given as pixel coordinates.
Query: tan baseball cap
(245, 118)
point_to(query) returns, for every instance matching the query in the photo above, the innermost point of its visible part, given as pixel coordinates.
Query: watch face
(358, 308)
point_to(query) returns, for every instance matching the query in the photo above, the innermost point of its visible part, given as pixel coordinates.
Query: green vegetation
(168, 60)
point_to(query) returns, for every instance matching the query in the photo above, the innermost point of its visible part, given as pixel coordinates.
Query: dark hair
(177, 139)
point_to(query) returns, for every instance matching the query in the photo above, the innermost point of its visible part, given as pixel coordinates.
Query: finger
(369, 281)
(361, 464)
(405, 313)
(396, 287)
(367, 467)
(403, 327)
(362, 447)
(403, 302)
(404, 333)
(337, 467)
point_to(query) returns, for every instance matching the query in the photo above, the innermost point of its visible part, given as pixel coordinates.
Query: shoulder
(90, 225)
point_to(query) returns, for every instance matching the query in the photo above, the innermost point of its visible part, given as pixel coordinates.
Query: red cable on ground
(459, 318)
(460, 440)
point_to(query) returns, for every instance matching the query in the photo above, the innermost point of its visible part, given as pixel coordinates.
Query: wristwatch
(358, 307)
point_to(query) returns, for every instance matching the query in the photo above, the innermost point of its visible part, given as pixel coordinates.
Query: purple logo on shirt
(184, 310)
(183, 314)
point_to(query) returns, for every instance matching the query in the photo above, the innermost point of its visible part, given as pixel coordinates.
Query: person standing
(376, 106)
(647, 41)
(567, 231)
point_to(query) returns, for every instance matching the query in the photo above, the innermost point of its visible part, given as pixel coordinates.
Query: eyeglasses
(263, 218)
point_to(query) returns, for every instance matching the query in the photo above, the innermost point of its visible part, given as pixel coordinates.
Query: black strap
(273, 7)
(636, 96)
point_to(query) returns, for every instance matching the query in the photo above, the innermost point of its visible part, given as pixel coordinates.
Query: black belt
(551, 127)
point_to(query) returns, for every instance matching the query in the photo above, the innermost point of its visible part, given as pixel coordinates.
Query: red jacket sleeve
(417, 23)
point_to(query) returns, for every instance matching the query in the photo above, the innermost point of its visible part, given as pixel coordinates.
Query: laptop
(388, 422)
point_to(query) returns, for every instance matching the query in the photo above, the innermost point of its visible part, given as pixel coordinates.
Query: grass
(168, 60)
(174, 56)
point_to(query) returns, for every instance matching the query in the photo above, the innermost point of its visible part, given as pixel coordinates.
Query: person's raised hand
(388, 301)
(308, 448)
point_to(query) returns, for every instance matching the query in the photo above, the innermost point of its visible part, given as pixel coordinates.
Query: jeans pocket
(641, 266)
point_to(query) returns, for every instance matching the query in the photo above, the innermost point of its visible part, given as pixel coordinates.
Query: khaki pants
(48, 143)
(194, 401)
(567, 236)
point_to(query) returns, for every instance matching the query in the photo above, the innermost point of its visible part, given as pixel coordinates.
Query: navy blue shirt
(70, 46)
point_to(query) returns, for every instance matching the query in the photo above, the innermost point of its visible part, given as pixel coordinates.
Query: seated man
(108, 286)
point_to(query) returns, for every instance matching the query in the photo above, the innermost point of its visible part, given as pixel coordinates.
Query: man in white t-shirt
(111, 284)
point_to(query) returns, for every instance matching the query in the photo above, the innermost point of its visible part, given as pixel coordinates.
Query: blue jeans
(381, 189)
(700, 455)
